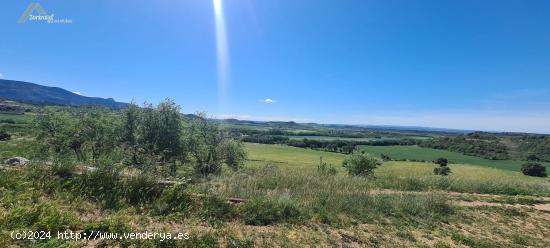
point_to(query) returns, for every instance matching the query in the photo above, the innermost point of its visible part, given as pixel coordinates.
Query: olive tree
(233, 153)
(203, 139)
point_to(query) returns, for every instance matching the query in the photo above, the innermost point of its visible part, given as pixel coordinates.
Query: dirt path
(475, 203)
(544, 207)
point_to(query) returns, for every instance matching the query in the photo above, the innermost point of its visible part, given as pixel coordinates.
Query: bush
(534, 170)
(234, 153)
(360, 164)
(262, 211)
(326, 169)
(4, 136)
(442, 170)
(441, 161)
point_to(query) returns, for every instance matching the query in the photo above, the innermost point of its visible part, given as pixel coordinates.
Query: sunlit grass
(429, 154)
(400, 175)
(289, 157)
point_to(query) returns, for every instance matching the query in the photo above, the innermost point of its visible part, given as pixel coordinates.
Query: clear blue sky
(457, 64)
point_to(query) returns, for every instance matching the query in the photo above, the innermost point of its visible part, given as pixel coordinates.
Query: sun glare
(217, 7)
(222, 52)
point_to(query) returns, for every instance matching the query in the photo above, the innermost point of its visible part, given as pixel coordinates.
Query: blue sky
(456, 64)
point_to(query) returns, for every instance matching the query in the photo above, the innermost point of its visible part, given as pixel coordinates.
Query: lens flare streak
(221, 51)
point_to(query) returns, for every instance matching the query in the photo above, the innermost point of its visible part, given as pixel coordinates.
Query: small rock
(17, 161)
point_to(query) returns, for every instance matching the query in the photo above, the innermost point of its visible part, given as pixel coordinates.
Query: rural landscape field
(223, 123)
(87, 178)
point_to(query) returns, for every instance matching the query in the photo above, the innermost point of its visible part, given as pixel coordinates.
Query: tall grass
(329, 198)
(464, 178)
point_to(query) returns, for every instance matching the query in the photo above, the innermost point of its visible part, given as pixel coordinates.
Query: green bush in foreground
(360, 164)
(325, 169)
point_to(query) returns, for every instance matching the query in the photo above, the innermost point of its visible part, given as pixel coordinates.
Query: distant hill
(39, 94)
(290, 125)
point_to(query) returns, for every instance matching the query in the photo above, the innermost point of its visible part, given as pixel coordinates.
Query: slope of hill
(39, 94)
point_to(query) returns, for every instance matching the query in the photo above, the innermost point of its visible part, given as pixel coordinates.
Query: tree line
(147, 137)
(534, 148)
(337, 145)
(480, 146)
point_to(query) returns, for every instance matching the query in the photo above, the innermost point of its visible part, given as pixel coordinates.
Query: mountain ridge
(39, 94)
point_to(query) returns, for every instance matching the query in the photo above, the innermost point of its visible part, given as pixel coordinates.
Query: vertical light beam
(222, 53)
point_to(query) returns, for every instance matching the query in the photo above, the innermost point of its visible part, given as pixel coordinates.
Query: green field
(287, 156)
(15, 117)
(301, 158)
(313, 137)
(405, 175)
(428, 154)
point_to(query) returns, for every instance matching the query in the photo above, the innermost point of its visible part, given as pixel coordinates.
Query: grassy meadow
(403, 205)
(429, 154)
(289, 157)
(286, 202)
(313, 137)
(406, 175)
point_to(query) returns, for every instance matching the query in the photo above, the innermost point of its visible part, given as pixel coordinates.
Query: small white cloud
(1, 75)
(77, 92)
(269, 101)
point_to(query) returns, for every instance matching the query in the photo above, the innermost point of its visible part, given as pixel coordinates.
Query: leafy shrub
(441, 161)
(262, 211)
(325, 169)
(4, 136)
(442, 170)
(360, 164)
(234, 153)
(533, 169)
